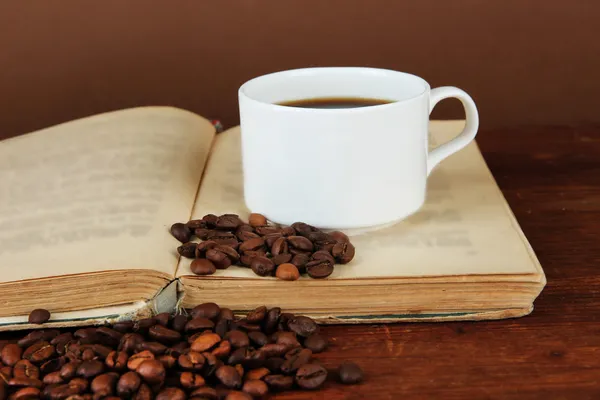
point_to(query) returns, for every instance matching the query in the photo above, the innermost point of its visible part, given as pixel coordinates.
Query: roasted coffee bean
(202, 266)
(237, 338)
(350, 373)
(155, 348)
(204, 393)
(300, 243)
(321, 240)
(279, 382)
(257, 373)
(267, 230)
(181, 232)
(280, 246)
(218, 258)
(39, 352)
(223, 349)
(300, 261)
(224, 238)
(271, 238)
(190, 380)
(237, 356)
(281, 258)
(192, 361)
(11, 353)
(303, 229)
(288, 231)
(25, 369)
(294, 359)
(164, 335)
(205, 342)
(117, 360)
(168, 360)
(311, 376)
(339, 237)
(287, 272)
(198, 324)
(104, 384)
(203, 247)
(319, 269)
(259, 339)
(138, 358)
(210, 220)
(228, 222)
(203, 233)
(162, 318)
(128, 384)
(143, 393)
(222, 327)
(39, 316)
(52, 365)
(229, 377)
(253, 358)
(187, 250)
(271, 320)
(302, 326)
(88, 354)
(343, 252)
(171, 393)
(87, 335)
(130, 342)
(262, 266)
(287, 338)
(245, 235)
(24, 382)
(236, 395)
(323, 255)
(108, 336)
(178, 322)
(89, 369)
(254, 244)
(151, 371)
(256, 219)
(257, 315)
(230, 252)
(143, 324)
(246, 326)
(68, 371)
(195, 224)
(53, 378)
(283, 320)
(316, 343)
(123, 326)
(36, 336)
(255, 388)
(28, 393)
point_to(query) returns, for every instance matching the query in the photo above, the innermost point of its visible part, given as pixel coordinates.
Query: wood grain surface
(551, 179)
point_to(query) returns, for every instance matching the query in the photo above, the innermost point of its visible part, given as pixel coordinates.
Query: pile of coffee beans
(284, 252)
(205, 354)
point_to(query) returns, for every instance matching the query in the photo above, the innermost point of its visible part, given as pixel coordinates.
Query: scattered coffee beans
(204, 354)
(284, 252)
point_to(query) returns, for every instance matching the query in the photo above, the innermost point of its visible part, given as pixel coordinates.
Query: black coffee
(335, 102)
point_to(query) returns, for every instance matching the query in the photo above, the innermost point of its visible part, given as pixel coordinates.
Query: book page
(99, 193)
(464, 228)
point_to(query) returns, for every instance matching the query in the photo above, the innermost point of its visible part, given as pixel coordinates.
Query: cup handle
(465, 137)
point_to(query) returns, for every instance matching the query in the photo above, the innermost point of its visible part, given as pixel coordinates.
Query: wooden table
(551, 179)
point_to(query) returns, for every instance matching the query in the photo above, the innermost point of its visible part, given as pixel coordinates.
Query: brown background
(524, 62)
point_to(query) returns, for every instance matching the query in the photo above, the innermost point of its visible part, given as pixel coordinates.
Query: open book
(86, 206)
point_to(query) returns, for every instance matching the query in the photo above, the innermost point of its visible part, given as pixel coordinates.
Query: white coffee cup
(347, 167)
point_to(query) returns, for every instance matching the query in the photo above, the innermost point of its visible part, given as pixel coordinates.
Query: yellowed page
(99, 193)
(465, 227)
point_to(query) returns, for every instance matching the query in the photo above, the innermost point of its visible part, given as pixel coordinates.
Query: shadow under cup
(335, 167)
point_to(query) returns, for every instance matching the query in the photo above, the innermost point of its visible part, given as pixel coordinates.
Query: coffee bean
(235, 395)
(210, 220)
(196, 224)
(187, 250)
(178, 322)
(262, 266)
(302, 326)
(226, 314)
(257, 220)
(135, 360)
(190, 380)
(281, 258)
(300, 261)
(303, 229)
(237, 338)
(311, 376)
(151, 371)
(288, 231)
(193, 361)
(206, 310)
(164, 335)
(223, 349)
(339, 237)
(218, 258)
(253, 244)
(128, 384)
(39, 352)
(245, 235)
(24, 382)
(155, 348)
(25, 369)
(89, 369)
(316, 343)
(181, 232)
(199, 323)
(343, 252)
(11, 353)
(280, 246)
(222, 327)
(171, 393)
(130, 342)
(104, 384)
(287, 272)
(229, 377)
(123, 326)
(300, 243)
(53, 378)
(271, 320)
(350, 373)
(279, 382)
(224, 238)
(205, 342)
(202, 266)
(109, 337)
(117, 360)
(204, 393)
(271, 238)
(294, 359)
(39, 316)
(257, 373)
(319, 269)
(321, 240)
(203, 247)
(28, 393)
(258, 338)
(323, 255)
(143, 324)
(257, 315)
(228, 222)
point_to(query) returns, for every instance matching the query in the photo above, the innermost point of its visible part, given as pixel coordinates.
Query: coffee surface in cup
(335, 102)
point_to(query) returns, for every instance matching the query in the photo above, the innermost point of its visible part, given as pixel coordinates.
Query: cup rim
(242, 90)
